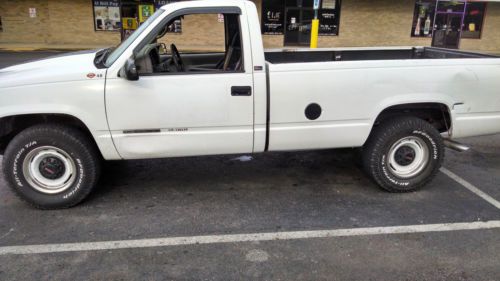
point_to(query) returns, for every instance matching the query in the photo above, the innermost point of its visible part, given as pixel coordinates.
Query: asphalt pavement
(277, 216)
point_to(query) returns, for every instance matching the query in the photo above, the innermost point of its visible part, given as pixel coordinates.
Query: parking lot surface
(326, 221)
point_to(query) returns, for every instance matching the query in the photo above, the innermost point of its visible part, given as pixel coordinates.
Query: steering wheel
(176, 58)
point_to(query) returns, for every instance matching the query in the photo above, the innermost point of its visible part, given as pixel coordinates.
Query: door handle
(241, 91)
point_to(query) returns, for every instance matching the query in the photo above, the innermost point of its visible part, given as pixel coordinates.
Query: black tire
(393, 134)
(81, 154)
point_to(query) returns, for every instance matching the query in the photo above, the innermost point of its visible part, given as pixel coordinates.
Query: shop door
(448, 24)
(448, 30)
(298, 26)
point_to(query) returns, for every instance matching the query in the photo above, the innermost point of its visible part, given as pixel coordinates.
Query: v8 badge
(92, 75)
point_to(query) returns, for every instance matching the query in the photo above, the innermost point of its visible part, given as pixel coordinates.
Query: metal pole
(315, 26)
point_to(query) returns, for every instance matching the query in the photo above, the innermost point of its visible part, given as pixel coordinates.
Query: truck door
(193, 97)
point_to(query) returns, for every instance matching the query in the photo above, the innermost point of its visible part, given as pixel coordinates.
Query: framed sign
(329, 18)
(329, 4)
(129, 23)
(145, 11)
(107, 15)
(273, 17)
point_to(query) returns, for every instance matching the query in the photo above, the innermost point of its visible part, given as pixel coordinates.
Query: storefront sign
(160, 3)
(273, 17)
(107, 3)
(328, 22)
(107, 15)
(329, 4)
(329, 18)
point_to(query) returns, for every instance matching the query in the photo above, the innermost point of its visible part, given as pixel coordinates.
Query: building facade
(469, 25)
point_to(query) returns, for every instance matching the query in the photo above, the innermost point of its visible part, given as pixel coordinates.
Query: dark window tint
(473, 20)
(273, 17)
(423, 18)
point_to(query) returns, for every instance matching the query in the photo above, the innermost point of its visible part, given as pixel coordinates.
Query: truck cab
(189, 102)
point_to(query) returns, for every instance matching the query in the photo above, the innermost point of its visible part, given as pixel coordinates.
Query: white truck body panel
(354, 93)
(194, 114)
(195, 118)
(59, 86)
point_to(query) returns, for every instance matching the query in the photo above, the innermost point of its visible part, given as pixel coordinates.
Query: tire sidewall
(434, 162)
(19, 149)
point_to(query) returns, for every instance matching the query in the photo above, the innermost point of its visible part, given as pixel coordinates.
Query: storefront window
(273, 17)
(473, 20)
(293, 18)
(329, 17)
(463, 17)
(423, 18)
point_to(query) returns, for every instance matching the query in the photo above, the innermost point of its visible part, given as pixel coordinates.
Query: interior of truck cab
(173, 53)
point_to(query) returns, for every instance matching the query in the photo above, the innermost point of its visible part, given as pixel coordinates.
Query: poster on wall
(145, 11)
(328, 24)
(107, 15)
(32, 12)
(129, 23)
(273, 17)
(329, 18)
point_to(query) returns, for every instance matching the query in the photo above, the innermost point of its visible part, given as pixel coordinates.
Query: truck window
(125, 44)
(174, 53)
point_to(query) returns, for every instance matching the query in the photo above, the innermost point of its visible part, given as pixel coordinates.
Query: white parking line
(235, 238)
(471, 187)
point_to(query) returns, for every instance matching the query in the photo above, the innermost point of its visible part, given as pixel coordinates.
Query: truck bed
(359, 54)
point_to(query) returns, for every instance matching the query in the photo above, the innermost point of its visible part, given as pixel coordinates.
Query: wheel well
(10, 126)
(437, 114)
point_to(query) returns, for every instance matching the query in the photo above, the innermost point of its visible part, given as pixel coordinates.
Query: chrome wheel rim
(408, 157)
(49, 169)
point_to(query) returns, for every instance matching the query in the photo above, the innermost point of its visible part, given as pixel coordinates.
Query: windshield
(125, 44)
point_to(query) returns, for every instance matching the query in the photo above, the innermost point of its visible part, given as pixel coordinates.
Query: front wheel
(51, 166)
(403, 154)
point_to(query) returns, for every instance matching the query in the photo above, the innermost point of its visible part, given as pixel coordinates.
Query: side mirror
(129, 70)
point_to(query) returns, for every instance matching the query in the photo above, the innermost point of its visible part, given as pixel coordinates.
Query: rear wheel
(403, 154)
(51, 166)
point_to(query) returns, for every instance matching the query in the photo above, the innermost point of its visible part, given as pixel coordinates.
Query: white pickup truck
(59, 117)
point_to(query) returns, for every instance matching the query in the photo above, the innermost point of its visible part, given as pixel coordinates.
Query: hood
(62, 68)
